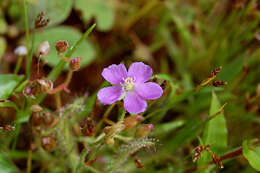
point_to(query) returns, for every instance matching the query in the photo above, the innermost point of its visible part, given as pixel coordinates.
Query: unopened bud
(75, 63)
(36, 108)
(132, 121)
(62, 46)
(43, 49)
(20, 51)
(143, 130)
(48, 143)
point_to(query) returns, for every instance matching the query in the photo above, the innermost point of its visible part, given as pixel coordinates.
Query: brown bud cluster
(198, 151)
(217, 83)
(75, 63)
(62, 46)
(40, 21)
(215, 72)
(40, 118)
(138, 163)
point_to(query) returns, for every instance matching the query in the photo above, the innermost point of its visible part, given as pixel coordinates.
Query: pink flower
(131, 85)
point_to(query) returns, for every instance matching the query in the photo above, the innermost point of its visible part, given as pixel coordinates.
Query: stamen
(128, 84)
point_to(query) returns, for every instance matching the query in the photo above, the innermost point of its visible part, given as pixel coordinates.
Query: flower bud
(132, 121)
(62, 46)
(36, 108)
(75, 63)
(143, 130)
(48, 143)
(20, 51)
(43, 49)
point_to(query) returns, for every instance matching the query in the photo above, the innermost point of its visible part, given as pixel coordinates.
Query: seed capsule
(43, 49)
(36, 119)
(36, 108)
(132, 121)
(48, 118)
(62, 46)
(48, 143)
(75, 63)
(143, 130)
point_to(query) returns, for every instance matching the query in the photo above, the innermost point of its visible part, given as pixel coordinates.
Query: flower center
(128, 84)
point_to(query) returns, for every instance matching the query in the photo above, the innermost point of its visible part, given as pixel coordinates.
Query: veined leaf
(6, 166)
(215, 132)
(8, 82)
(252, 154)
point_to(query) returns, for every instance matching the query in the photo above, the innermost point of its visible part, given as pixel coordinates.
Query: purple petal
(133, 103)
(110, 94)
(140, 72)
(149, 90)
(115, 74)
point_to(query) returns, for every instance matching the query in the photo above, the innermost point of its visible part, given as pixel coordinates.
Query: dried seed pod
(75, 63)
(198, 152)
(132, 121)
(143, 130)
(36, 108)
(48, 143)
(62, 46)
(43, 49)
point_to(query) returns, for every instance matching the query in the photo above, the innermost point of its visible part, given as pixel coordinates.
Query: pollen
(128, 84)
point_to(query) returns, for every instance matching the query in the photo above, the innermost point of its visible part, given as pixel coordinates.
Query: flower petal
(133, 103)
(115, 74)
(149, 90)
(140, 72)
(110, 94)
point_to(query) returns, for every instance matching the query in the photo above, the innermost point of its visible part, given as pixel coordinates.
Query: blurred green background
(182, 40)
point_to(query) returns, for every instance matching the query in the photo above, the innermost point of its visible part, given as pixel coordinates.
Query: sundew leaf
(6, 166)
(56, 10)
(215, 130)
(53, 35)
(252, 154)
(99, 9)
(8, 82)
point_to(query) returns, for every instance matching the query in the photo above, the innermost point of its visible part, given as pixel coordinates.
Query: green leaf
(99, 9)
(6, 166)
(56, 10)
(252, 154)
(215, 130)
(8, 82)
(84, 50)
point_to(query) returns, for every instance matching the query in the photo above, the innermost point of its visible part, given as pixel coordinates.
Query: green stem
(122, 116)
(29, 161)
(18, 64)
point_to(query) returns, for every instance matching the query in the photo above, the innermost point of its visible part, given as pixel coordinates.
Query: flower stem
(18, 64)
(29, 161)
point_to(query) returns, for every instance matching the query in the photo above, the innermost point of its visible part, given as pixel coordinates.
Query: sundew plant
(140, 86)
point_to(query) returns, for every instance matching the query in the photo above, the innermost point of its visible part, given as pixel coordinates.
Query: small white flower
(21, 51)
(44, 48)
